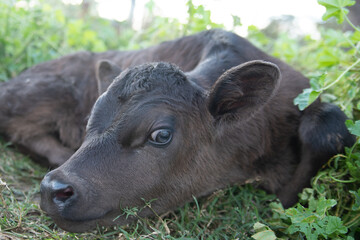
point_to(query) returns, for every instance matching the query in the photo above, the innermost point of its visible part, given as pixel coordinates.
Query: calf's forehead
(144, 92)
(144, 109)
(154, 78)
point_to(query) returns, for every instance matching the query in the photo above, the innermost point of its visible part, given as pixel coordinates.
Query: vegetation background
(37, 31)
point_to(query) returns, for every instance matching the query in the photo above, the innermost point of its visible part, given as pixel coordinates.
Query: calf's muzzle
(56, 191)
(57, 195)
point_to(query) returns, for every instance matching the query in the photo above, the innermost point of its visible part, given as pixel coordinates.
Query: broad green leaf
(318, 82)
(313, 221)
(310, 219)
(264, 235)
(334, 225)
(277, 207)
(307, 97)
(263, 232)
(336, 8)
(327, 97)
(294, 212)
(310, 230)
(354, 128)
(307, 194)
(323, 205)
(293, 229)
(356, 36)
(313, 96)
(328, 57)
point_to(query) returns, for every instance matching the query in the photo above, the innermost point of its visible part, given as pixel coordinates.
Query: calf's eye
(160, 137)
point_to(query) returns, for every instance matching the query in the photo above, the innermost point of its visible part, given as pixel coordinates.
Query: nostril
(61, 192)
(64, 194)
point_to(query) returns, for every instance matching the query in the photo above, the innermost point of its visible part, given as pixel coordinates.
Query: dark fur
(47, 105)
(232, 120)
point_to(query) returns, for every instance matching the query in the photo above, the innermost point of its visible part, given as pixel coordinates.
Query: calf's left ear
(106, 71)
(243, 89)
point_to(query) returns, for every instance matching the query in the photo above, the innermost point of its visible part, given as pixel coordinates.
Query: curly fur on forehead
(147, 77)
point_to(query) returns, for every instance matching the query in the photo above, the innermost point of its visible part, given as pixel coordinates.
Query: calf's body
(47, 106)
(223, 115)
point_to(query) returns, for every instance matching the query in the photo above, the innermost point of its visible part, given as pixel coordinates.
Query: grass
(226, 214)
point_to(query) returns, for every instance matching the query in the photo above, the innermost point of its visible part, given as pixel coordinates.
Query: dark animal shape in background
(44, 110)
(166, 134)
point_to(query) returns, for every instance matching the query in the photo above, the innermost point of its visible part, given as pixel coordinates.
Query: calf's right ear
(106, 71)
(243, 89)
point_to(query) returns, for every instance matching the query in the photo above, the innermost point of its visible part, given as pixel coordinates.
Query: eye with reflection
(161, 137)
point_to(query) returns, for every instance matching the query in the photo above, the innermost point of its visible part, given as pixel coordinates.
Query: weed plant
(330, 209)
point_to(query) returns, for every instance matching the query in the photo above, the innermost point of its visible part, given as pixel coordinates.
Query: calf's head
(156, 135)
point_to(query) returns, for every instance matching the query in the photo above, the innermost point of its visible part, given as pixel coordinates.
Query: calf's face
(155, 136)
